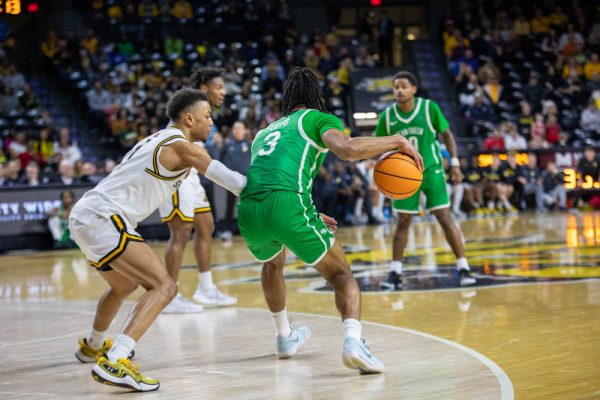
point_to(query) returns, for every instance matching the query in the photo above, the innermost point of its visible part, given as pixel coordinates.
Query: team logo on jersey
(177, 184)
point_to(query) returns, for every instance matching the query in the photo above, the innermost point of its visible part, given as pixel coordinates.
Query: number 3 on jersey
(270, 141)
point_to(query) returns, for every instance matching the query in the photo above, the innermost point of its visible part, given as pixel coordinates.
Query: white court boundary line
(507, 391)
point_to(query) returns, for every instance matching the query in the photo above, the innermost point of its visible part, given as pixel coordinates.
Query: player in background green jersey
(420, 121)
(276, 210)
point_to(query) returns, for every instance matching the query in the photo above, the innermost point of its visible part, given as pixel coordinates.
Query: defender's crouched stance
(103, 224)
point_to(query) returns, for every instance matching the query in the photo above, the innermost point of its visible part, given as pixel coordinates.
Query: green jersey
(420, 126)
(287, 154)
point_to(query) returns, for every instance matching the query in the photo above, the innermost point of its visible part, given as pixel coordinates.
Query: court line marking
(507, 391)
(310, 288)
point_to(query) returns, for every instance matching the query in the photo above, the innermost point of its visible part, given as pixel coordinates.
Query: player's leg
(307, 236)
(207, 293)
(335, 269)
(256, 227)
(138, 263)
(180, 232)
(109, 304)
(287, 338)
(405, 208)
(437, 203)
(178, 213)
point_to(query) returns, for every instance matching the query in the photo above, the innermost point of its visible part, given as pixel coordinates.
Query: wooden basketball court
(528, 330)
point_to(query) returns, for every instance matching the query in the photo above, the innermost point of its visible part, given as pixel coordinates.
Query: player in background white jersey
(103, 224)
(189, 208)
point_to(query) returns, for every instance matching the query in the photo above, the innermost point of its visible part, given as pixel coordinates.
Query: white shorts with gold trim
(188, 200)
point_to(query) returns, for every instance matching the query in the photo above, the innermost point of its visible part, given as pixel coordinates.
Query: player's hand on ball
(405, 147)
(330, 222)
(457, 175)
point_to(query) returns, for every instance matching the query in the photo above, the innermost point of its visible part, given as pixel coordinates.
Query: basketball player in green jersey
(420, 121)
(276, 210)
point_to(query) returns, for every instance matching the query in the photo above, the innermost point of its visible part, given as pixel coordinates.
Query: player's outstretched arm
(360, 148)
(180, 155)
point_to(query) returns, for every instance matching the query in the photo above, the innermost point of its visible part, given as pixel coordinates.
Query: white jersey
(137, 186)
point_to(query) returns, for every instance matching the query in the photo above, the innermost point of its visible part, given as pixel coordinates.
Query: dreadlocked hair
(301, 89)
(205, 75)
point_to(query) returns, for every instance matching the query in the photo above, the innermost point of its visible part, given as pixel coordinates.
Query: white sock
(121, 348)
(396, 266)
(462, 263)
(352, 328)
(281, 323)
(507, 204)
(205, 280)
(491, 205)
(95, 339)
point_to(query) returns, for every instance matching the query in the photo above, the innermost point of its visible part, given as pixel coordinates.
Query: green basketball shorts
(434, 187)
(284, 218)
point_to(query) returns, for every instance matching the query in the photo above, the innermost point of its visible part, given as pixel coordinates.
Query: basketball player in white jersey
(103, 224)
(189, 208)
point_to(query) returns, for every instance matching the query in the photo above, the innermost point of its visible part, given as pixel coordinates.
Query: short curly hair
(182, 100)
(204, 75)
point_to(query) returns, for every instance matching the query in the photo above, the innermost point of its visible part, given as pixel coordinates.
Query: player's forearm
(361, 148)
(450, 143)
(221, 175)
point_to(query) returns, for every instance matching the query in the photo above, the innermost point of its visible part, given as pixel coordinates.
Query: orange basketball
(397, 175)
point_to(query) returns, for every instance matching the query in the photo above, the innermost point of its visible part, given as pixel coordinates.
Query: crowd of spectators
(526, 74)
(527, 77)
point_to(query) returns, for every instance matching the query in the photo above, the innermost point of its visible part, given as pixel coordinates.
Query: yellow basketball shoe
(86, 354)
(123, 373)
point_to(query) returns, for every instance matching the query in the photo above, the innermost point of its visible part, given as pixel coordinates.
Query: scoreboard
(18, 7)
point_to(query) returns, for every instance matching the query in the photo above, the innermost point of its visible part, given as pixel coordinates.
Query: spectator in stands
(109, 165)
(12, 173)
(479, 115)
(64, 146)
(540, 23)
(28, 100)
(491, 179)
(236, 156)
(522, 26)
(554, 188)
(493, 90)
(182, 9)
(13, 78)
(550, 43)
(363, 59)
(529, 183)
(66, 170)
(512, 139)
(590, 118)
(99, 99)
(534, 91)
(31, 155)
(508, 177)
(90, 42)
(18, 145)
(32, 175)
(44, 144)
(552, 129)
(592, 67)
(273, 83)
(589, 165)
(8, 101)
(2, 174)
(50, 48)
(89, 174)
(495, 141)
(58, 221)
(525, 120)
